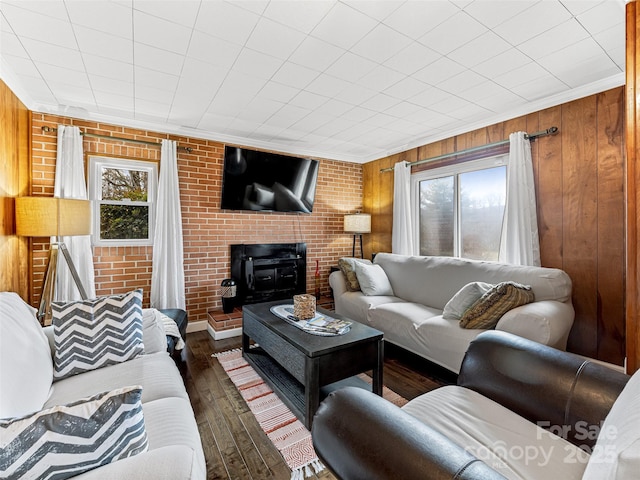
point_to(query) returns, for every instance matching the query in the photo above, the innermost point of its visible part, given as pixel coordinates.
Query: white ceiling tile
(105, 67)
(377, 9)
(21, 66)
(260, 109)
(274, 39)
(503, 63)
(242, 85)
(256, 63)
(359, 114)
(406, 88)
(453, 33)
(381, 78)
(450, 104)
(316, 54)
(380, 102)
(539, 18)
(429, 97)
(380, 44)
(104, 45)
(483, 48)
(37, 26)
(72, 95)
(49, 8)
(602, 17)
(38, 89)
(214, 122)
(414, 19)
(160, 33)
(461, 82)
(327, 85)
(226, 20)
(412, 58)
(529, 72)
(403, 109)
(350, 67)
(156, 95)
(278, 92)
(343, 26)
(213, 50)
(438, 71)
(206, 72)
(577, 7)
(334, 126)
(553, 40)
(311, 122)
(334, 107)
(109, 17)
(182, 12)
(495, 12)
(294, 75)
(308, 100)
(111, 85)
(41, 52)
(9, 43)
(539, 88)
(501, 102)
(302, 16)
(355, 94)
(157, 59)
(288, 115)
(483, 90)
(118, 102)
(598, 66)
(469, 112)
(613, 42)
(144, 77)
(576, 53)
(227, 103)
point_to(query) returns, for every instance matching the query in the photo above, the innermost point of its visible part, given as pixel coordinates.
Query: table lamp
(357, 223)
(59, 217)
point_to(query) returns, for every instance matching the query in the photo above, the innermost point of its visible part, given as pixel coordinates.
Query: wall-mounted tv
(262, 181)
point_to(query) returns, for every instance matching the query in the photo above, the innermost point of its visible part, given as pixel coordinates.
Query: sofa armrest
(359, 435)
(548, 322)
(338, 283)
(556, 390)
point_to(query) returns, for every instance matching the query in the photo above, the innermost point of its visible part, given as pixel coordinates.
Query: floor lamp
(53, 217)
(357, 223)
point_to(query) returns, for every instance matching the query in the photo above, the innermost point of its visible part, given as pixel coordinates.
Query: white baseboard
(222, 334)
(197, 326)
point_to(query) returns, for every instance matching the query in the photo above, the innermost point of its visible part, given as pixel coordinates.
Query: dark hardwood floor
(234, 445)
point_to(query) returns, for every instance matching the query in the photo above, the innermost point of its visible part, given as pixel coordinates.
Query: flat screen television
(262, 181)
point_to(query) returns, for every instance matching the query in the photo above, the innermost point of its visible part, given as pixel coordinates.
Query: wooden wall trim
(632, 187)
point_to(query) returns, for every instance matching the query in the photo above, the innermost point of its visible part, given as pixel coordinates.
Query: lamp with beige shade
(357, 223)
(53, 217)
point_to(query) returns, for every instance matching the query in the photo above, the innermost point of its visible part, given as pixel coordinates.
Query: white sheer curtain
(403, 240)
(519, 243)
(70, 183)
(167, 277)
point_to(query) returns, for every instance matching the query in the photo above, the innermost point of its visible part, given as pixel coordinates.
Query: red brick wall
(208, 231)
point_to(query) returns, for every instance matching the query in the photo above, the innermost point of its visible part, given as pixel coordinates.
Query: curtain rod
(532, 136)
(107, 137)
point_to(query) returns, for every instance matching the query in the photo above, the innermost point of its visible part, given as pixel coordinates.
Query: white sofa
(26, 384)
(412, 317)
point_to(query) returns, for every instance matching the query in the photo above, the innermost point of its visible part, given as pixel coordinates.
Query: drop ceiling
(348, 80)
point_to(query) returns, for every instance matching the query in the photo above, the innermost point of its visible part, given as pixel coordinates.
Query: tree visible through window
(122, 192)
(460, 209)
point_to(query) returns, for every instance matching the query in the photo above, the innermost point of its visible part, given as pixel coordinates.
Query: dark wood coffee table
(300, 367)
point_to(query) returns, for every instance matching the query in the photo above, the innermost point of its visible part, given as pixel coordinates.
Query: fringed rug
(282, 427)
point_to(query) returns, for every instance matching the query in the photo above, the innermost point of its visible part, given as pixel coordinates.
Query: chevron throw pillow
(64, 441)
(92, 334)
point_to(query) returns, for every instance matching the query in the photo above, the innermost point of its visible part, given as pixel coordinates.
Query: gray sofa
(174, 445)
(412, 317)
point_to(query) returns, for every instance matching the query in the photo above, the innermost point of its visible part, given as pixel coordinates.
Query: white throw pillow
(26, 369)
(91, 334)
(372, 279)
(616, 454)
(64, 441)
(463, 299)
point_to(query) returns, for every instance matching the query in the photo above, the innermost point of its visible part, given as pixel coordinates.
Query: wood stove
(265, 272)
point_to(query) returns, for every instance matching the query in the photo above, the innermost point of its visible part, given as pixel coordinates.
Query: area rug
(282, 427)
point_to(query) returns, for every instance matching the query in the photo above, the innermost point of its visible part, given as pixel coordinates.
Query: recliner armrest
(549, 387)
(359, 435)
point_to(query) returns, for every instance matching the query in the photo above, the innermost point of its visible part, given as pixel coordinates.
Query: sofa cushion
(616, 454)
(94, 333)
(373, 281)
(63, 441)
(507, 442)
(24, 354)
(463, 299)
(157, 373)
(347, 267)
(501, 298)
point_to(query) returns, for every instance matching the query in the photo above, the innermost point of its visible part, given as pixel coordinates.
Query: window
(123, 194)
(459, 208)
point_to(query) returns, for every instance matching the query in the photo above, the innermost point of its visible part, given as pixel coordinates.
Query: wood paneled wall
(14, 181)
(633, 185)
(579, 175)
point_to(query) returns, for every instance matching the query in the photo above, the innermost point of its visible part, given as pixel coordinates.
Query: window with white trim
(123, 193)
(459, 208)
